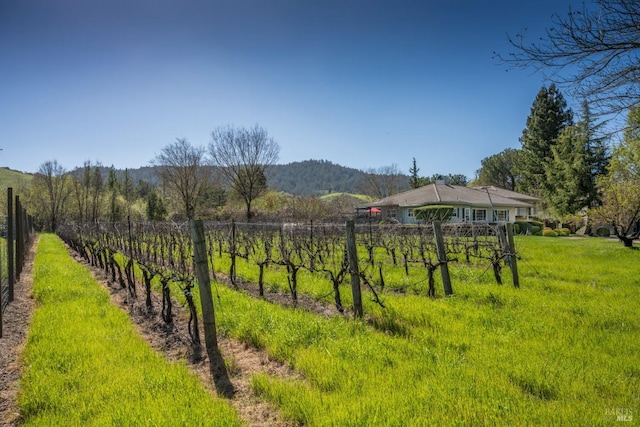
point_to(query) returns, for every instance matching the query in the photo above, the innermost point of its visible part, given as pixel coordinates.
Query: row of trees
(207, 182)
(592, 51)
(571, 166)
(83, 195)
(192, 179)
(560, 160)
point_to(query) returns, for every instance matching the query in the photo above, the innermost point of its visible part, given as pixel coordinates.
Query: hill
(305, 178)
(309, 177)
(313, 177)
(14, 179)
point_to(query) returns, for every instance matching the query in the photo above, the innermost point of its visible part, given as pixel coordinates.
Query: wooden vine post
(204, 286)
(19, 244)
(0, 294)
(513, 264)
(354, 271)
(10, 243)
(442, 258)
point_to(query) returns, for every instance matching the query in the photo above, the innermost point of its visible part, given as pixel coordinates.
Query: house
(455, 203)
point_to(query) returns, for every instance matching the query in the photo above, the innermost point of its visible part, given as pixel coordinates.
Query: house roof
(435, 194)
(510, 194)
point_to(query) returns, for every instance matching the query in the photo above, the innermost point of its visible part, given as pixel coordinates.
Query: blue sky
(364, 84)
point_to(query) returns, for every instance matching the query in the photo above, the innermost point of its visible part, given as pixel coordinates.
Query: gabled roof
(435, 194)
(509, 194)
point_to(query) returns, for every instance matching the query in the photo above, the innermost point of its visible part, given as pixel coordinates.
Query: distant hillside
(13, 179)
(313, 177)
(306, 178)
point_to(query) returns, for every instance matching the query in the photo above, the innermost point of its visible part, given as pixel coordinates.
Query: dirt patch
(15, 327)
(228, 376)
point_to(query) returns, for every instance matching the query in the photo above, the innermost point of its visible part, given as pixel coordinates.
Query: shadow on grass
(219, 374)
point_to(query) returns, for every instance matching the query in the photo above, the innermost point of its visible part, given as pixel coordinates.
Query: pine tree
(548, 117)
(500, 170)
(414, 179)
(128, 190)
(579, 158)
(597, 153)
(568, 176)
(114, 191)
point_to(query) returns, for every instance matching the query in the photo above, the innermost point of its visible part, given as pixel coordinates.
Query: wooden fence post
(204, 286)
(512, 256)
(352, 254)
(442, 258)
(11, 259)
(19, 241)
(1, 286)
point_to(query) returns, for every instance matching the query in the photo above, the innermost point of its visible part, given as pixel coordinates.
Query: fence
(18, 233)
(363, 253)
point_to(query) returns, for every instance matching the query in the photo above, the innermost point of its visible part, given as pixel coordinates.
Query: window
(410, 213)
(501, 215)
(479, 215)
(454, 213)
(392, 213)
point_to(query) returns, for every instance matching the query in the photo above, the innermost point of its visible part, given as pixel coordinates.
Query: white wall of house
(460, 214)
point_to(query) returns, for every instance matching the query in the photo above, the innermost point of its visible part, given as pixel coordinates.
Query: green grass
(86, 365)
(14, 179)
(331, 196)
(562, 350)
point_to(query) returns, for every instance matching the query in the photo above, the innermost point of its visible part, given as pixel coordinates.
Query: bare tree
(184, 172)
(382, 182)
(598, 48)
(52, 186)
(242, 156)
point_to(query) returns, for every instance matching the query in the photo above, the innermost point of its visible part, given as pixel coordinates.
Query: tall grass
(561, 350)
(86, 365)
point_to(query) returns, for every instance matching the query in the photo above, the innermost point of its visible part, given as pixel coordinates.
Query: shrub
(562, 231)
(603, 232)
(535, 230)
(548, 232)
(520, 227)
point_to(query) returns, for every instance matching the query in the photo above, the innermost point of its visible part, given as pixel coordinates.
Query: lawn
(86, 365)
(561, 350)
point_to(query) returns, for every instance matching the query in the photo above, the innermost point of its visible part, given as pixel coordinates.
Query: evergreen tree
(128, 190)
(113, 185)
(597, 153)
(569, 179)
(414, 179)
(450, 179)
(548, 117)
(579, 158)
(156, 210)
(97, 193)
(500, 170)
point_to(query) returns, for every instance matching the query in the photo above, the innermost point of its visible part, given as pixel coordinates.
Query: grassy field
(14, 179)
(562, 350)
(86, 365)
